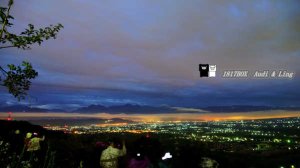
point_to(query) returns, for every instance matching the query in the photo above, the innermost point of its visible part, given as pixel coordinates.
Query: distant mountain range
(77, 121)
(24, 108)
(143, 109)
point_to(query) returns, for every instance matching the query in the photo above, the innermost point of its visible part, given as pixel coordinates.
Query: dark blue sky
(147, 52)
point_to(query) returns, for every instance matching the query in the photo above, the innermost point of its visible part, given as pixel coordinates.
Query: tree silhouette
(16, 78)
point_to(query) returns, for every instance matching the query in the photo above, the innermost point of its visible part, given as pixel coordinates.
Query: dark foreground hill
(64, 150)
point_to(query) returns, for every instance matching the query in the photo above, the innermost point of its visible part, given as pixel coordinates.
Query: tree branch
(7, 47)
(3, 70)
(5, 21)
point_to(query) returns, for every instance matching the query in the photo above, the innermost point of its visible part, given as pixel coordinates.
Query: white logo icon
(212, 70)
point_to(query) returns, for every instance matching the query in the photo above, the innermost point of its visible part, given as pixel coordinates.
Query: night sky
(114, 52)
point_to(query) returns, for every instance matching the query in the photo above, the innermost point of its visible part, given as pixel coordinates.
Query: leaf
(10, 3)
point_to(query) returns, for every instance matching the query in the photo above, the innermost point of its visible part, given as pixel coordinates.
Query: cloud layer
(147, 52)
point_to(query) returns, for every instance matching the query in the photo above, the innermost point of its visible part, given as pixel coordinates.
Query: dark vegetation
(61, 150)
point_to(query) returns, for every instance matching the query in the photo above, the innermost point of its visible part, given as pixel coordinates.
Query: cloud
(149, 51)
(182, 109)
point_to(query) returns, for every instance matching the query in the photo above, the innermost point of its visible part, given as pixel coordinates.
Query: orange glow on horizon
(179, 117)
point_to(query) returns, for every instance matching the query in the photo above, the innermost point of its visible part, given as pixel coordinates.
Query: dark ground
(71, 149)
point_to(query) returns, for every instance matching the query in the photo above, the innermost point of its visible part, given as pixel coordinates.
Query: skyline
(148, 52)
(176, 117)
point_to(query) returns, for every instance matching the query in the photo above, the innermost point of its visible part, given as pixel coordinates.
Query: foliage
(11, 159)
(4, 151)
(17, 78)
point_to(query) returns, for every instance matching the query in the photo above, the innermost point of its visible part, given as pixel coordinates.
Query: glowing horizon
(161, 117)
